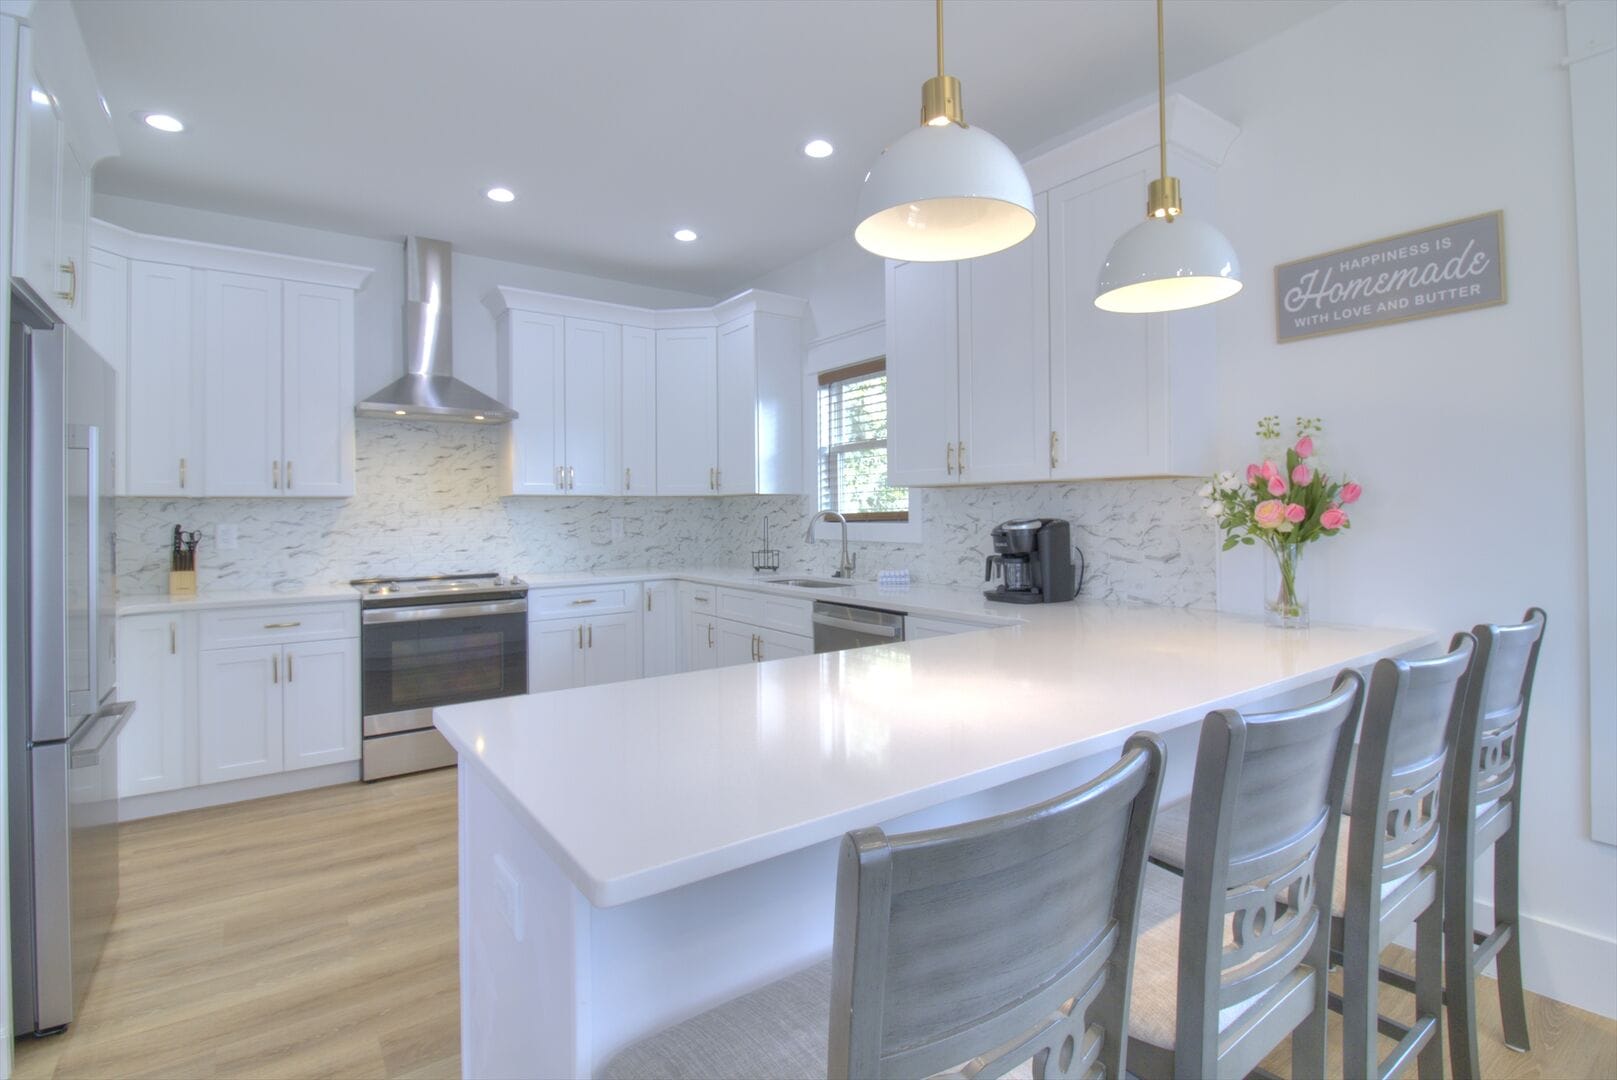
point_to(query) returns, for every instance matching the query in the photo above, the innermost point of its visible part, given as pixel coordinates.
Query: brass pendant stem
(940, 36)
(1162, 91)
(940, 95)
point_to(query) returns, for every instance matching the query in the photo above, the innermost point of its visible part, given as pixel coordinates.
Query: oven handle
(443, 611)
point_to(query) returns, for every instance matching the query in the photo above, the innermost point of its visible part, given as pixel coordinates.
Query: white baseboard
(1564, 963)
(254, 787)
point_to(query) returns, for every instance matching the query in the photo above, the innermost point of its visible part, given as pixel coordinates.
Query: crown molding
(503, 298)
(105, 236)
(1193, 131)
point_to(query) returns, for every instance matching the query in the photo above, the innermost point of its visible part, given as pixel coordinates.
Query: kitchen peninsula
(633, 853)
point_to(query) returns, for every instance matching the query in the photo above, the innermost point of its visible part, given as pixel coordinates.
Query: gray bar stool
(980, 946)
(1485, 812)
(1390, 874)
(1233, 958)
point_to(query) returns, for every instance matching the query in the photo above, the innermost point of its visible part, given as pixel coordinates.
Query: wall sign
(1414, 275)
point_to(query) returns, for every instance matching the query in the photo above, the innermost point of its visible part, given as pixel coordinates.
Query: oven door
(416, 658)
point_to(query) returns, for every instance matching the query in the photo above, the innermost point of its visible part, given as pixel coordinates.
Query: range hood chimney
(428, 390)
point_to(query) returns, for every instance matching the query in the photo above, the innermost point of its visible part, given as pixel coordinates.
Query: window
(853, 445)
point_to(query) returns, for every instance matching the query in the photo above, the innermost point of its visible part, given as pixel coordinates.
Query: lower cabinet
(564, 653)
(271, 708)
(701, 641)
(743, 643)
(659, 625)
(156, 670)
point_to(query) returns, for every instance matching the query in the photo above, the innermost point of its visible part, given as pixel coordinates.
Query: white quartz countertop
(638, 787)
(228, 598)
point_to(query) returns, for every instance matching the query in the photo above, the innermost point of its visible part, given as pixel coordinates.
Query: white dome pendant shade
(944, 191)
(1167, 262)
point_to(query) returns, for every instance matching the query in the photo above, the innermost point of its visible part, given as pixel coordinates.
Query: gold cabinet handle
(283, 625)
(948, 459)
(70, 268)
(172, 636)
(648, 601)
(1055, 449)
(288, 667)
(962, 459)
(698, 599)
(580, 635)
(626, 484)
(591, 635)
(275, 475)
(275, 668)
(587, 600)
(289, 476)
(711, 483)
(710, 635)
(571, 477)
(182, 474)
(561, 479)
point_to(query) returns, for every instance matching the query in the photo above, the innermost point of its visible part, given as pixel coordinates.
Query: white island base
(552, 986)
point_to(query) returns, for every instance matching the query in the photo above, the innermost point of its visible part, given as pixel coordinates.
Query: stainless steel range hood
(428, 390)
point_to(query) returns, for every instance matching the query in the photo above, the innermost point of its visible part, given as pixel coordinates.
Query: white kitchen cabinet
(564, 653)
(923, 391)
(760, 375)
(1131, 395)
(160, 383)
(241, 379)
(968, 368)
(701, 641)
(736, 643)
(320, 703)
(240, 712)
(155, 671)
(317, 389)
(592, 409)
(72, 231)
(660, 624)
(639, 412)
(687, 400)
(39, 136)
(1004, 365)
(553, 654)
(776, 645)
(531, 382)
(107, 328)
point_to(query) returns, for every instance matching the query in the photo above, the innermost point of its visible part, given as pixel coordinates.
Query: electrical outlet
(228, 537)
(617, 528)
(508, 896)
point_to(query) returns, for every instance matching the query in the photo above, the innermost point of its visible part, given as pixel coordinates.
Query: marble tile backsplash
(428, 502)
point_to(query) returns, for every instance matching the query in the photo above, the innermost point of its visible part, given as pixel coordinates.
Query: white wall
(379, 310)
(1466, 429)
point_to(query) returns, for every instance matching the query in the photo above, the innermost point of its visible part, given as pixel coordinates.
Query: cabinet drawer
(761, 609)
(268, 625)
(587, 600)
(697, 597)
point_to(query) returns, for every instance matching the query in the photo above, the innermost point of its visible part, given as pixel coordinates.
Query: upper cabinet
(615, 400)
(61, 129)
(235, 368)
(1001, 368)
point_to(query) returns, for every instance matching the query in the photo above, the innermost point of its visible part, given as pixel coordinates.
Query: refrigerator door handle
(110, 720)
(84, 700)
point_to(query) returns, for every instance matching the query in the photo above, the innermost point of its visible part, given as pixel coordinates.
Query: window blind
(853, 445)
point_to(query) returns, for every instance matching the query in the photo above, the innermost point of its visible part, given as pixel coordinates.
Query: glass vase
(1285, 589)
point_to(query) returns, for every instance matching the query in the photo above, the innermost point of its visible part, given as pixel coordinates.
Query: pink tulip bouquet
(1282, 507)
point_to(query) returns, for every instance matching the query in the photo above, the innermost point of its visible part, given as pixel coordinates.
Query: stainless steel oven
(430, 642)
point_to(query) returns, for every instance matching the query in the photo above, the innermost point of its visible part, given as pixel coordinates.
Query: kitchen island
(633, 853)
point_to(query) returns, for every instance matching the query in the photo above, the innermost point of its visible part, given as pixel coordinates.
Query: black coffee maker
(1033, 560)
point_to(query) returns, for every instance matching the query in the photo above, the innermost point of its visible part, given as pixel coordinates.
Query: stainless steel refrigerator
(63, 718)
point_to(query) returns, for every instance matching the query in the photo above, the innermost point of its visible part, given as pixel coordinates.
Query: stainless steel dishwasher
(839, 626)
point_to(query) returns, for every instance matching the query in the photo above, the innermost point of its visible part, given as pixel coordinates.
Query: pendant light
(1167, 262)
(944, 191)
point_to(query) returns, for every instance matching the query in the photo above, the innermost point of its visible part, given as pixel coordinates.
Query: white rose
(1215, 511)
(1205, 491)
(1229, 482)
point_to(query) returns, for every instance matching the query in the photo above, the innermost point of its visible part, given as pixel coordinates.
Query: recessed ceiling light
(39, 97)
(400, 412)
(163, 122)
(500, 194)
(477, 417)
(684, 235)
(818, 148)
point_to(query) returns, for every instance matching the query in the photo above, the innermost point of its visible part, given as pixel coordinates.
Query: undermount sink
(809, 582)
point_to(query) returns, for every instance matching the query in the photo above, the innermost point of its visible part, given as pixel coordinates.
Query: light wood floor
(314, 935)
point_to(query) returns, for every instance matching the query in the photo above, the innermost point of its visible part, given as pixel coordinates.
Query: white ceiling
(614, 122)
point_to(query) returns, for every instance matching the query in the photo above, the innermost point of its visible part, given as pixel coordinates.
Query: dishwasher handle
(871, 628)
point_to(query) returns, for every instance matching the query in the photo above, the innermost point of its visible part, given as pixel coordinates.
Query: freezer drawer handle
(112, 718)
(873, 629)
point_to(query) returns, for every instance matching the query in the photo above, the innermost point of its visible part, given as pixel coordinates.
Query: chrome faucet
(845, 567)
